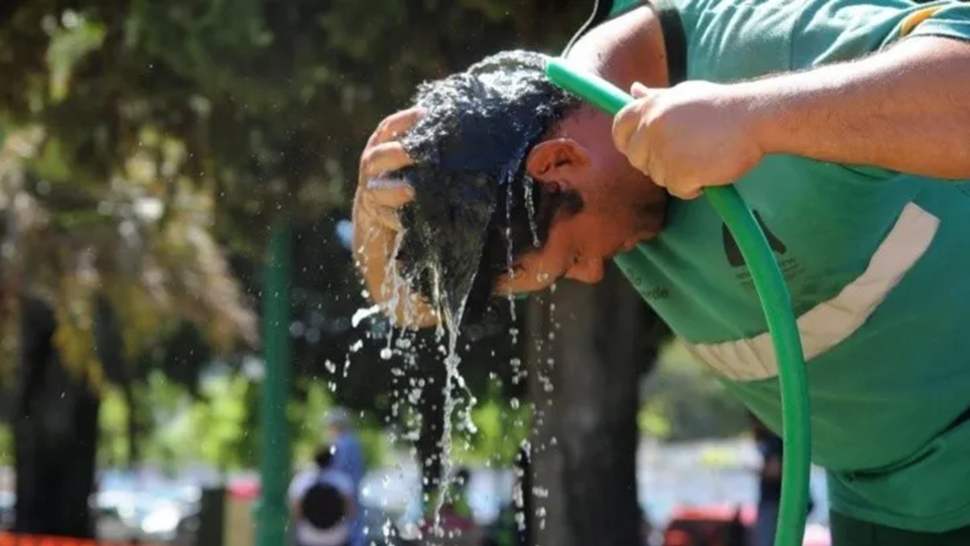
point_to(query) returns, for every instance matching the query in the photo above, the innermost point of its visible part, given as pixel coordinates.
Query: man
(845, 125)
(349, 459)
(322, 503)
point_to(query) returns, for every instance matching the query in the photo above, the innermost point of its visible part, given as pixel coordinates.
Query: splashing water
(459, 234)
(362, 314)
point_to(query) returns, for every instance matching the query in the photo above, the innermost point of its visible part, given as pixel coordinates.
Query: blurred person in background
(769, 499)
(455, 517)
(512, 527)
(349, 459)
(458, 503)
(771, 447)
(322, 503)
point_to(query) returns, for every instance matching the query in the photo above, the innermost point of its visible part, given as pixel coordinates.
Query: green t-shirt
(877, 263)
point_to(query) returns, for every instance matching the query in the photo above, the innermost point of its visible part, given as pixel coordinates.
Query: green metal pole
(274, 459)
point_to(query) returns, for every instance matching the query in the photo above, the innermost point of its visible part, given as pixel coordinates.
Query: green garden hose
(775, 301)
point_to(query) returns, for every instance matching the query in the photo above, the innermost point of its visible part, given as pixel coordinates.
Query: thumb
(390, 192)
(638, 90)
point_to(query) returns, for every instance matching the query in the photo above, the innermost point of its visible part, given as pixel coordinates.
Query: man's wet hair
(475, 205)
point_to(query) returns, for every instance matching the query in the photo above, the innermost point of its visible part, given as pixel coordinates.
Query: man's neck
(627, 49)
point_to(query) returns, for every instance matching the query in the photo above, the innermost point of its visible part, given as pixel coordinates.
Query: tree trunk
(592, 345)
(55, 436)
(128, 389)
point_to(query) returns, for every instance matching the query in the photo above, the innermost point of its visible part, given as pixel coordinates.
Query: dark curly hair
(477, 210)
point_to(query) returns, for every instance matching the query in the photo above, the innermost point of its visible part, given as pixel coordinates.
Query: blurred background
(181, 321)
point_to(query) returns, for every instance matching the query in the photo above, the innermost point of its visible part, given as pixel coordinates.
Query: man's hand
(377, 226)
(378, 200)
(688, 137)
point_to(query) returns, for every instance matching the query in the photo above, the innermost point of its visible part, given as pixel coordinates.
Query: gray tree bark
(589, 347)
(55, 436)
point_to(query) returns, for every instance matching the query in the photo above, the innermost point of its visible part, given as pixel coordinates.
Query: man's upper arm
(834, 31)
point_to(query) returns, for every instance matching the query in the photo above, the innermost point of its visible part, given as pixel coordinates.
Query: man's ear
(551, 158)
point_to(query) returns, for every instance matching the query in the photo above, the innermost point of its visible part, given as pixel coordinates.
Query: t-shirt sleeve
(834, 31)
(732, 40)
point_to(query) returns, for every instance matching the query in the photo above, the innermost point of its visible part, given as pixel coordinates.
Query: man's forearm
(905, 109)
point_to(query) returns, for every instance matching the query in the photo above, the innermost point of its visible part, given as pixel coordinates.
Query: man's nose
(589, 271)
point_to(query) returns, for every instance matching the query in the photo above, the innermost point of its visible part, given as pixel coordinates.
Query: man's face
(621, 206)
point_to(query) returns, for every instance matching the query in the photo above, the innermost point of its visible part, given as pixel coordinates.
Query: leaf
(69, 44)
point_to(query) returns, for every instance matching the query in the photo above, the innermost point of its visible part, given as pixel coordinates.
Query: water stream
(459, 234)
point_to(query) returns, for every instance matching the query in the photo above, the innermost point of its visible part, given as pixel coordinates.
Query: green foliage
(6, 445)
(221, 422)
(215, 428)
(70, 42)
(308, 418)
(684, 402)
(502, 427)
(142, 137)
(219, 427)
(113, 417)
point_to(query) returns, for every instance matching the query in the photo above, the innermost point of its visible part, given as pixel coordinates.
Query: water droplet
(361, 314)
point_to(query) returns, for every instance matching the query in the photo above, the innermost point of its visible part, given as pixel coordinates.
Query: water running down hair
(476, 209)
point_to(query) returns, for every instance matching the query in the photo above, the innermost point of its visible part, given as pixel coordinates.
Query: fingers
(628, 120)
(640, 152)
(386, 218)
(384, 158)
(685, 194)
(634, 140)
(638, 90)
(625, 125)
(395, 126)
(381, 200)
(390, 193)
(373, 215)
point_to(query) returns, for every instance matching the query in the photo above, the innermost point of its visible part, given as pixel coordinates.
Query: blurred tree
(106, 242)
(594, 345)
(137, 127)
(100, 270)
(685, 402)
